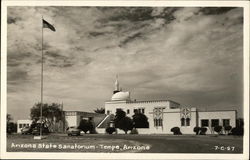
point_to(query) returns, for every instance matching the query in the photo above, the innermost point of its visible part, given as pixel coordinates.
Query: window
(118, 109)
(214, 122)
(158, 115)
(157, 122)
(226, 122)
(182, 121)
(160, 122)
(143, 110)
(135, 110)
(108, 112)
(187, 121)
(139, 110)
(204, 123)
(20, 126)
(128, 111)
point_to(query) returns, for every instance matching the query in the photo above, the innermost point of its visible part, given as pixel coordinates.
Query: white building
(165, 114)
(23, 123)
(73, 118)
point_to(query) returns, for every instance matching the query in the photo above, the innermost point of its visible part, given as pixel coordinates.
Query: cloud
(192, 55)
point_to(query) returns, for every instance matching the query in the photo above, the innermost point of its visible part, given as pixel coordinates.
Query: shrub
(239, 131)
(92, 130)
(197, 130)
(176, 131)
(227, 129)
(218, 129)
(110, 130)
(134, 131)
(203, 131)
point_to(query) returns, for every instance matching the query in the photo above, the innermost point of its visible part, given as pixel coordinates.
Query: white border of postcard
(66, 155)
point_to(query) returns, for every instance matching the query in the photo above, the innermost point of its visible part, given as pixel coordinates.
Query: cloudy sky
(190, 55)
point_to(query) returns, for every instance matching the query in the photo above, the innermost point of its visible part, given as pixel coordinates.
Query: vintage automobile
(73, 131)
(26, 130)
(36, 130)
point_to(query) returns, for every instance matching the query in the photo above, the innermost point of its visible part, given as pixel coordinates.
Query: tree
(125, 124)
(9, 125)
(140, 120)
(100, 110)
(239, 122)
(120, 114)
(51, 113)
(8, 118)
(85, 126)
(239, 131)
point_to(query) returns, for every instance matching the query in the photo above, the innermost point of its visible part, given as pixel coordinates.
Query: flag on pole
(48, 25)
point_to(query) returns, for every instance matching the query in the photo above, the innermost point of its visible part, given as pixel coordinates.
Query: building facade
(165, 114)
(23, 123)
(73, 118)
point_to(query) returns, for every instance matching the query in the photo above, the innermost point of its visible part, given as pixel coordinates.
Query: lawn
(126, 143)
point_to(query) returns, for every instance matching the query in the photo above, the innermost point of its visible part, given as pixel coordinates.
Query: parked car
(36, 130)
(73, 131)
(26, 130)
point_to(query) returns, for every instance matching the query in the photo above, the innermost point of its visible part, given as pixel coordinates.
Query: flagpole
(41, 108)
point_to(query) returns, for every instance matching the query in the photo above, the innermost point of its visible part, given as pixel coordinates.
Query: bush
(110, 130)
(92, 130)
(197, 130)
(218, 129)
(239, 131)
(134, 131)
(176, 131)
(227, 129)
(203, 131)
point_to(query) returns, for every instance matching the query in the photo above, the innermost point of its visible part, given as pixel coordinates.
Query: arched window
(182, 121)
(187, 121)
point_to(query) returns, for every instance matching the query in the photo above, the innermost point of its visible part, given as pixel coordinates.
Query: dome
(121, 96)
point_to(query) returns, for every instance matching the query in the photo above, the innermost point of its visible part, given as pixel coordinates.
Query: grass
(126, 143)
